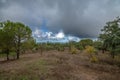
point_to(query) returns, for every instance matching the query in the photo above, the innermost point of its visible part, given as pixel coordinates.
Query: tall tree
(22, 33)
(14, 34)
(111, 36)
(6, 38)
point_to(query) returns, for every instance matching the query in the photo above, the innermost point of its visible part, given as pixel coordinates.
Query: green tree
(98, 44)
(15, 33)
(86, 42)
(29, 44)
(111, 36)
(22, 33)
(6, 38)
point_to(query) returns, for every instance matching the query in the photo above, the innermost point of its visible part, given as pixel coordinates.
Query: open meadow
(57, 65)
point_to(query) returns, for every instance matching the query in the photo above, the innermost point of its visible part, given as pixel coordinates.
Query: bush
(90, 49)
(91, 53)
(93, 59)
(73, 50)
(60, 48)
(98, 45)
(86, 42)
(80, 48)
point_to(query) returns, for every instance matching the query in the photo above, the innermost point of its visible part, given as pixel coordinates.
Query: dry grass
(54, 65)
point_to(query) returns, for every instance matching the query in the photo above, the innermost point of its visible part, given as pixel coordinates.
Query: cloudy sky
(58, 19)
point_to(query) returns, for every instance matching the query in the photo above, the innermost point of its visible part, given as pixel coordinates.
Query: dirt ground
(54, 65)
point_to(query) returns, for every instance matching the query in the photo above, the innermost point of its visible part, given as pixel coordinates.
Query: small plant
(91, 53)
(81, 48)
(73, 50)
(60, 48)
(93, 59)
(90, 49)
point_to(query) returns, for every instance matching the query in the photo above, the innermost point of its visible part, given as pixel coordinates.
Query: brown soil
(54, 65)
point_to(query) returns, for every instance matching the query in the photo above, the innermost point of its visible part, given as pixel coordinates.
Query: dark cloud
(83, 18)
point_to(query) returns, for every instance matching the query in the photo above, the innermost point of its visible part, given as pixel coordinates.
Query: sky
(61, 20)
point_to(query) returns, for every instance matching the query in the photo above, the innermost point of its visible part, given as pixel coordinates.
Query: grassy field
(54, 65)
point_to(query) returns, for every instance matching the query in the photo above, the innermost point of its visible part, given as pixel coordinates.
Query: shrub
(93, 59)
(90, 49)
(80, 48)
(86, 42)
(91, 53)
(59, 47)
(73, 50)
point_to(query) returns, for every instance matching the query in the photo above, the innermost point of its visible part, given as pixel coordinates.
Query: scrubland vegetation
(21, 58)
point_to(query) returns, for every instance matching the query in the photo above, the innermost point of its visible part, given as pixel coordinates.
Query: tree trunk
(113, 56)
(7, 54)
(41, 48)
(18, 53)
(113, 51)
(18, 48)
(103, 51)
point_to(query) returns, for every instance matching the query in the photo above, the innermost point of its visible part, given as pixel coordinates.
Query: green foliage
(52, 46)
(59, 46)
(73, 50)
(21, 33)
(76, 45)
(29, 44)
(13, 35)
(98, 45)
(86, 42)
(6, 38)
(80, 48)
(49, 46)
(111, 36)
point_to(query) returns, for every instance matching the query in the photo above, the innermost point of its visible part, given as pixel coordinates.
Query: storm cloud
(81, 18)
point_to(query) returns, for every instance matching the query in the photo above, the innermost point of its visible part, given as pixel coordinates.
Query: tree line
(17, 37)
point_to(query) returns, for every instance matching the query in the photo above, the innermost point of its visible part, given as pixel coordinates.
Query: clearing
(55, 65)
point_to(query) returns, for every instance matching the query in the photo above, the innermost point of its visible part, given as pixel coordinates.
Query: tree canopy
(12, 35)
(111, 36)
(86, 42)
